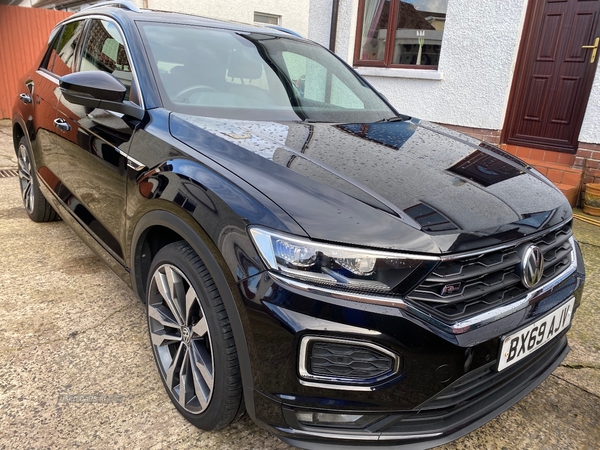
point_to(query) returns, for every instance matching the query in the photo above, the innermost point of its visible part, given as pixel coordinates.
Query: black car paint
(202, 184)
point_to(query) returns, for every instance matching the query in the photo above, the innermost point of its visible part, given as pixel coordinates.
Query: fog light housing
(345, 363)
(336, 420)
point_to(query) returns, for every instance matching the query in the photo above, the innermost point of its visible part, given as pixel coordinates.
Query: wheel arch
(18, 131)
(158, 228)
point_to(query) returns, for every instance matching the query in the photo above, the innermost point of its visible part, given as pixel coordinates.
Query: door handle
(594, 51)
(62, 124)
(25, 98)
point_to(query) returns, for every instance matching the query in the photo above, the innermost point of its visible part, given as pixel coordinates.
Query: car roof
(127, 11)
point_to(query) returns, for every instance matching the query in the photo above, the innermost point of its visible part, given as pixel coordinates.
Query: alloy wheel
(25, 178)
(181, 338)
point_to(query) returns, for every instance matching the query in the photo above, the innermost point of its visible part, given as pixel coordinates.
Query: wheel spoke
(22, 162)
(203, 363)
(162, 315)
(25, 191)
(203, 381)
(186, 383)
(28, 196)
(164, 287)
(24, 175)
(163, 337)
(175, 367)
(190, 299)
(201, 328)
(176, 291)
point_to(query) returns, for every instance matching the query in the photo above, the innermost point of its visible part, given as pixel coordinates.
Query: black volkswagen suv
(344, 274)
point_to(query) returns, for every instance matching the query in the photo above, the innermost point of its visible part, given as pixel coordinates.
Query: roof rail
(285, 30)
(117, 4)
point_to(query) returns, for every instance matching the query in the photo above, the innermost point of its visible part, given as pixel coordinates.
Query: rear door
(96, 141)
(42, 89)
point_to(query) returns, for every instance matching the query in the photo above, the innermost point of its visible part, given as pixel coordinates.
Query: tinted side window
(64, 62)
(48, 60)
(61, 58)
(104, 50)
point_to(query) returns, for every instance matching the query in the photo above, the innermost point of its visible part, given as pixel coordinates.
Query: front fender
(195, 236)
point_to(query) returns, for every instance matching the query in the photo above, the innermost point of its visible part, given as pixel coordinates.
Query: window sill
(418, 74)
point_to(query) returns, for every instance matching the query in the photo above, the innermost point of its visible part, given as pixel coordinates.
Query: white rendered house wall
(472, 84)
(294, 14)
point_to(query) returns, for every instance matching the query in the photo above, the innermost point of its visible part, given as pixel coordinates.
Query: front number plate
(524, 342)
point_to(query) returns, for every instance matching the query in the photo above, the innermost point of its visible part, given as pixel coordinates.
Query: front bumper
(447, 383)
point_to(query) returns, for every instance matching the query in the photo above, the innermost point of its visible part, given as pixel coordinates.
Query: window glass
(417, 27)
(270, 19)
(53, 41)
(64, 45)
(67, 45)
(314, 82)
(255, 76)
(374, 29)
(104, 50)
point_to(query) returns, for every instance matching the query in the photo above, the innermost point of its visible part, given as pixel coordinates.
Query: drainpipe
(335, 6)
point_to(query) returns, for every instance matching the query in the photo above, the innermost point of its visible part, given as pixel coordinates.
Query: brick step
(551, 165)
(556, 166)
(569, 191)
(558, 173)
(539, 155)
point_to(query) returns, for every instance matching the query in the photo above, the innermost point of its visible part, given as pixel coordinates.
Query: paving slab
(76, 368)
(8, 159)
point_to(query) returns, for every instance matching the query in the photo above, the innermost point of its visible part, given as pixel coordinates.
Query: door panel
(59, 60)
(94, 168)
(554, 75)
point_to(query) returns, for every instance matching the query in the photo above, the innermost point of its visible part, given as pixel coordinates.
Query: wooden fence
(23, 36)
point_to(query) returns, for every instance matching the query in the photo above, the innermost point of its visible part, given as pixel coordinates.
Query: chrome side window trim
(90, 17)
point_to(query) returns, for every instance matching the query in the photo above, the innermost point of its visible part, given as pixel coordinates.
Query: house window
(270, 19)
(417, 27)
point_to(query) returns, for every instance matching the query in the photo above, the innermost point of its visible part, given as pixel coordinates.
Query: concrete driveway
(76, 368)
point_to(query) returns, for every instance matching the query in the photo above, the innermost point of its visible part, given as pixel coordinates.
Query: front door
(96, 141)
(554, 74)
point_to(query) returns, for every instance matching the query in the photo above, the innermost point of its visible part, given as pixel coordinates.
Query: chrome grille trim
(514, 243)
(489, 280)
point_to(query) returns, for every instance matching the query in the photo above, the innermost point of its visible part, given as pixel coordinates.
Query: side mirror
(98, 89)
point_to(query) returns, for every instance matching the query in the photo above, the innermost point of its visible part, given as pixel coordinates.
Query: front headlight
(340, 267)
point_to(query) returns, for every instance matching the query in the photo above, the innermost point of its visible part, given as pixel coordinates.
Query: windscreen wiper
(400, 118)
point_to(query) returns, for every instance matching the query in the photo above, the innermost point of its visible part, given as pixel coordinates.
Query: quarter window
(416, 28)
(61, 57)
(105, 50)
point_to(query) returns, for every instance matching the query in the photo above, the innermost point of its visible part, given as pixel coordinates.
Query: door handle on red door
(62, 124)
(594, 49)
(25, 98)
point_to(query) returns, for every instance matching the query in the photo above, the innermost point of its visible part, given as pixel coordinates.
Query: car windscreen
(256, 76)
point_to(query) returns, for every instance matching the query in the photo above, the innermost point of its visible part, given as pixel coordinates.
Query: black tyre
(37, 207)
(192, 340)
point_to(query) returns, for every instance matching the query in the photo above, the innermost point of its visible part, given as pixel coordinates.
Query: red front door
(554, 74)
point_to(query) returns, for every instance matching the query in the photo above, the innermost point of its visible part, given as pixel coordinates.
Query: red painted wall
(23, 36)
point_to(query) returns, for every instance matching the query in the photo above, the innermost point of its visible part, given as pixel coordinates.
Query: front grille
(460, 288)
